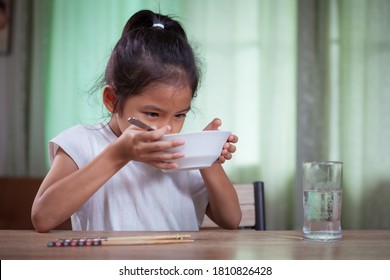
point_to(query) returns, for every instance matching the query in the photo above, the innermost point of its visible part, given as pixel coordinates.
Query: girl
(109, 177)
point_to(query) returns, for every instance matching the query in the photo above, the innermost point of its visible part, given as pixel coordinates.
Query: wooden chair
(16, 197)
(251, 197)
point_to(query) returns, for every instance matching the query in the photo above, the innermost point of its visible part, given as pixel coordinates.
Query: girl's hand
(228, 148)
(146, 146)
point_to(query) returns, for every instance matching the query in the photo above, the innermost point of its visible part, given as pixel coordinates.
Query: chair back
(251, 197)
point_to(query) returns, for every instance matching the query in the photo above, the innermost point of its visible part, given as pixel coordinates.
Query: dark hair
(153, 49)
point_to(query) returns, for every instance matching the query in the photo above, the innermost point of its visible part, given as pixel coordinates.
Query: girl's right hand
(147, 146)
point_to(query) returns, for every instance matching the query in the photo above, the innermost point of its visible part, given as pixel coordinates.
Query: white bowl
(200, 149)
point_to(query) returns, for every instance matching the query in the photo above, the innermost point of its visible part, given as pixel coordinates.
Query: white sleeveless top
(139, 196)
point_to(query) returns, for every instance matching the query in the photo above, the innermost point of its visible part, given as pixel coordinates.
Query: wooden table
(207, 245)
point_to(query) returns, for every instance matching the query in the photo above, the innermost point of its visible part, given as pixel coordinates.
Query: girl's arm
(224, 207)
(66, 187)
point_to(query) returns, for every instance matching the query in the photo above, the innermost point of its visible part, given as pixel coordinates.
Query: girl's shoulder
(84, 128)
(87, 131)
(82, 142)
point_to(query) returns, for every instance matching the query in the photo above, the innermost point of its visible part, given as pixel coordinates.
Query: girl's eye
(181, 116)
(152, 114)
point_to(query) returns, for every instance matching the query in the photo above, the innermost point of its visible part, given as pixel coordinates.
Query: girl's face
(157, 106)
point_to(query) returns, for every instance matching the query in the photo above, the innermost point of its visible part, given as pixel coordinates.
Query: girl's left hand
(228, 148)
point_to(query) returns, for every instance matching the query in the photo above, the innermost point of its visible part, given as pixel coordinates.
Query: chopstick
(140, 124)
(122, 240)
(145, 242)
(152, 237)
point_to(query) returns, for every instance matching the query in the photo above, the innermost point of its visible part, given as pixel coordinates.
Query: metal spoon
(140, 124)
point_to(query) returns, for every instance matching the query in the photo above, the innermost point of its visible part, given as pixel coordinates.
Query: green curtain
(343, 100)
(364, 110)
(248, 48)
(291, 91)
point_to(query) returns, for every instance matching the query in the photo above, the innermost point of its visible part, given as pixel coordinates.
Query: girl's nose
(162, 123)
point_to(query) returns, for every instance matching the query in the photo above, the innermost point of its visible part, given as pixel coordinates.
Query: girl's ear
(109, 98)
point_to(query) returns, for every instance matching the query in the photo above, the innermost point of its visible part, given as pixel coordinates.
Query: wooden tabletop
(207, 245)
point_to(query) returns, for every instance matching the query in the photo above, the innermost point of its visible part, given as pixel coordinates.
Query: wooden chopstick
(144, 242)
(151, 237)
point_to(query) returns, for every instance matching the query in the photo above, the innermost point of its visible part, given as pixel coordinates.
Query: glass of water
(322, 200)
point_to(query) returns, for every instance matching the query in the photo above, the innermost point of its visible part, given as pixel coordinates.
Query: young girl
(109, 176)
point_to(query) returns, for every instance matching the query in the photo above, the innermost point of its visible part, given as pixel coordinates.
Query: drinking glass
(322, 200)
